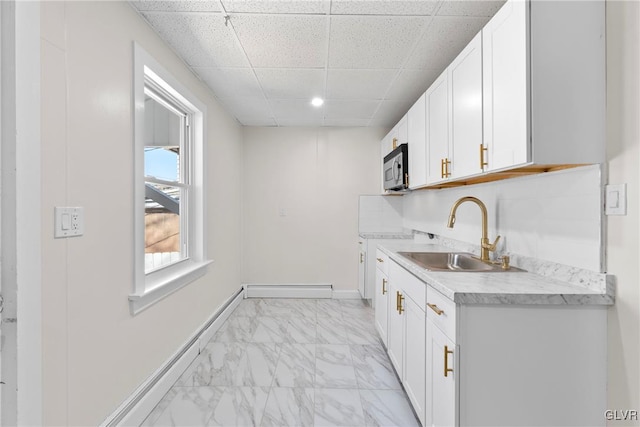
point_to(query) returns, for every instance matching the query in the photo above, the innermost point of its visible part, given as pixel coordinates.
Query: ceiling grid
(369, 59)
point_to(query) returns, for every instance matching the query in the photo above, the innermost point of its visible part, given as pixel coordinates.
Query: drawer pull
(447, 352)
(361, 258)
(435, 308)
(384, 286)
(380, 259)
(400, 298)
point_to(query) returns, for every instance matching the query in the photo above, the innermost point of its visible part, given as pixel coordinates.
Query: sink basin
(451, 261)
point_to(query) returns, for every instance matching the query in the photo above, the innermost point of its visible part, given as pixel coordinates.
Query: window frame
(157, 284)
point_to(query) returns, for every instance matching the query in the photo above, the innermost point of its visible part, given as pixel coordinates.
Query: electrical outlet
(69, 222)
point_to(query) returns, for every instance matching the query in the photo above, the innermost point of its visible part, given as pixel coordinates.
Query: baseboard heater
(288, 290)
(134, 410)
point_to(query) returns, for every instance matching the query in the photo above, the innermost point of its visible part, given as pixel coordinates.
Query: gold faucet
(485, 246)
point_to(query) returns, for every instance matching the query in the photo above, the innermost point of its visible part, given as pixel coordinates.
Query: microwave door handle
(396, 174)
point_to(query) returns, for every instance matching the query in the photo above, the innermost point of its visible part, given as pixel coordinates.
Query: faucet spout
(485, 246)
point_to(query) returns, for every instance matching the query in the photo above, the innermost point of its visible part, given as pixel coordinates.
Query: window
(169, 241)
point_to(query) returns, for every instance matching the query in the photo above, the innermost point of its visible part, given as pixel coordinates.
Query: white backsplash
(380, 214)
(554, 216)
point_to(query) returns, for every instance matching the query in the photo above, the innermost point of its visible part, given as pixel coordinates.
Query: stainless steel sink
(452, 261)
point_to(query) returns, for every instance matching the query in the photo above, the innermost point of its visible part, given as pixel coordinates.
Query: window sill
(176, 278)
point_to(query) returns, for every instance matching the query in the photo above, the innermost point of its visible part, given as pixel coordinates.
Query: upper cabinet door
(506, 102)
(437, 111)
(417, 144)
(465, 85)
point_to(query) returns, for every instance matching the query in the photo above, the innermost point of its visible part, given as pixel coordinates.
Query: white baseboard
(287, 290)
(134, 410)
(352, 294)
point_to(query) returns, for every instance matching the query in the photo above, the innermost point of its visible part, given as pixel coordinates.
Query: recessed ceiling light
(316, 102)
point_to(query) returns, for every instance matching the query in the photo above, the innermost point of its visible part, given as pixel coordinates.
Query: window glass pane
(163, 138)
(163, 228)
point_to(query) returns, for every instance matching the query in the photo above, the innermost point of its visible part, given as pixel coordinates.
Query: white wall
(380, 214)
(313, 176)
(553, 216)
(623, 250)
(94, 352)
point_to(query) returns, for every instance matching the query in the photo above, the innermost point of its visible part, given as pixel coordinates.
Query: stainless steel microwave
(396, 169)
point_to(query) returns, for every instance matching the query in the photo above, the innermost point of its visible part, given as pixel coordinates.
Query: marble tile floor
(290, 362)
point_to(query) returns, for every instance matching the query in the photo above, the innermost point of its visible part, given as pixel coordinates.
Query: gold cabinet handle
(384, 286)
(398, 301)
(400, 309)
(444, 168)
(447, 352)
(361, 258)
(380, 259)
(483, 162)
(435, 308)
(395, 143)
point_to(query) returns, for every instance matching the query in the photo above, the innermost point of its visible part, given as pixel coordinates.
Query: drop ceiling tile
(291, 82)
(358, 83)
(346, 122)
(283, 41)
(469, 8)
(202, 39)
(303, 121)
(277, 6)
(349, 109)
(373, 41)
(383, 7)
(258, 121)
(247, 107)
(389, 113)
(410, 84)
(230, 82)
(177, 6)
(443, 41)
(295, 109)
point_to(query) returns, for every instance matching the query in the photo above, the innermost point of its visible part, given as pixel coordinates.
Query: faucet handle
(491, 246)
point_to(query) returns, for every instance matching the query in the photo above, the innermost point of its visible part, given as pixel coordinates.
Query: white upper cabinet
(465, 86)
(417, 144)
(437, 129)
(526, 93)
(504, 48)
(544, 86)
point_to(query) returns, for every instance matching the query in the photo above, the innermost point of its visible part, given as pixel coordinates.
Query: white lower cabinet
(381, 298)
(495, 364)
(395, 327)
(414, 356)
(441, 371)
(406, 334)
(362, 268)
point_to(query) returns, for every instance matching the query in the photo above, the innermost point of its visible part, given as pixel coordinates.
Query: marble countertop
(498, 287)
(386, 235)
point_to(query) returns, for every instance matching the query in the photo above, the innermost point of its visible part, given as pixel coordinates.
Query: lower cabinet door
(395, 329)
(414, 356)
(362, 265)
(442, 373)
(381, 304)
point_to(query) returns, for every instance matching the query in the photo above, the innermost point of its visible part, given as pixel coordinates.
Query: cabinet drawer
(382, 262)
(442, 312)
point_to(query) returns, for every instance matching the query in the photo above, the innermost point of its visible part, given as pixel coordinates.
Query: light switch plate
(615, 199)
(69, 222)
